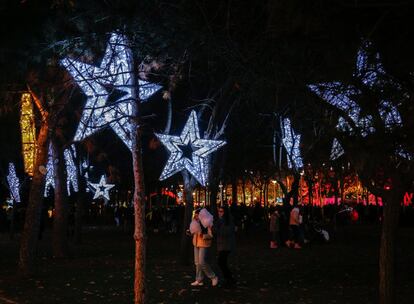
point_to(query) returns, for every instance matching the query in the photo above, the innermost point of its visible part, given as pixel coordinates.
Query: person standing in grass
(274, 228)
(202, 240)
(225, 231)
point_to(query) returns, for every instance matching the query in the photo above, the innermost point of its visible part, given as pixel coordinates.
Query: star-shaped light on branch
(14, 183)
(102, 188)
(291, 141)
(115, 73)
(199, 148)
(337, 150)
(370, 72)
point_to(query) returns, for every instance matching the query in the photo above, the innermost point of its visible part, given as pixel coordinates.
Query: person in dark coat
(225, 232)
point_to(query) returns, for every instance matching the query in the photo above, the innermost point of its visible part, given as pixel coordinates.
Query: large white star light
(115, 73)
(189, 145)
(340, 96)
(102, 188)
(291, 141)
(372, 74)
(14, 183)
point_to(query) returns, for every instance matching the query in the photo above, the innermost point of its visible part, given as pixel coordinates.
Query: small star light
(102, 188)
(189, 151)
(71, 176)
(14, 183)
(337, 150)
(291, 141)
(115, 73)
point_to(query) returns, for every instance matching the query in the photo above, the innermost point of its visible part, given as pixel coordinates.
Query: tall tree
(376, 137)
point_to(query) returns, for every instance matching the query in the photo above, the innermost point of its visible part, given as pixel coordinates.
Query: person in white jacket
(200, 229)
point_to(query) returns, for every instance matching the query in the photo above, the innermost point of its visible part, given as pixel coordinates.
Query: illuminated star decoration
(340, 96)
(115, 72)
(371, 73)
(337, 150)
(14, 183)
(291, 141)
(189, 145)
(50, 172)
(71, 176)
(102, 188)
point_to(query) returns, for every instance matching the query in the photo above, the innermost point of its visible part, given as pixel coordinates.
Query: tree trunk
(29, 240)
(12, 220)
(139, 200)
(387, 248)
(60, 219)
(213, 198)
(185, 248)
(244, 191)
(139, 232)
(78, 218)
(80, 200)
(234, 191)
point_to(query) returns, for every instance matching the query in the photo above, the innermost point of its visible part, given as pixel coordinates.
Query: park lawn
(101, 271)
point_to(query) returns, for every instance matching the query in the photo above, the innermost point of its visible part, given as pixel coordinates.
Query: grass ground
(101, 271)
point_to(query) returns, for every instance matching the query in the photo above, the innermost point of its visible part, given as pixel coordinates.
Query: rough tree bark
(60, 220)
(80, 202)
(139, 200)
(29, 239)
(387, 247)
(234, 190)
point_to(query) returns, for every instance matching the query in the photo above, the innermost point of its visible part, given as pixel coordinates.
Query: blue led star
(116, 73)
(198, 148)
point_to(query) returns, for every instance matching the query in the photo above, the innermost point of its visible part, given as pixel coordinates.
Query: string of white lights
(291, 141)
(50, 172)
(14, 183)
(71, 174)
